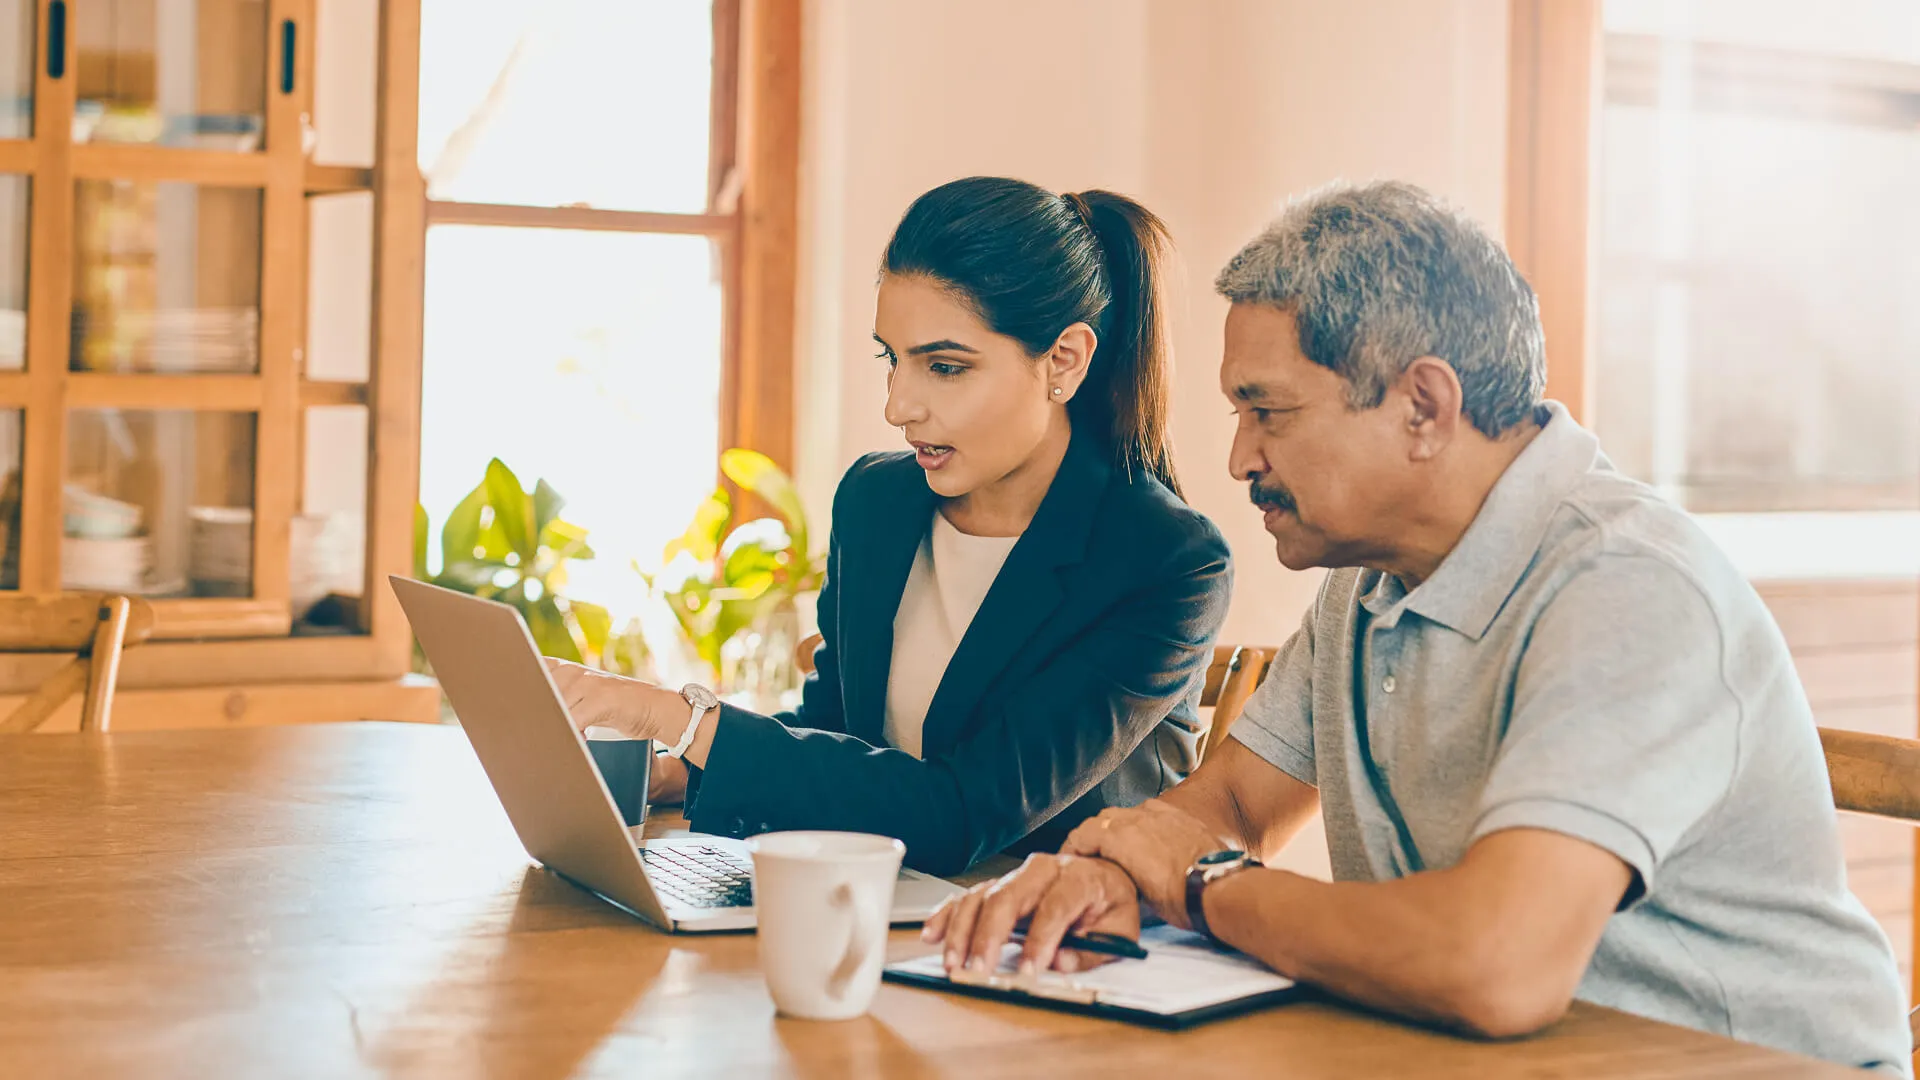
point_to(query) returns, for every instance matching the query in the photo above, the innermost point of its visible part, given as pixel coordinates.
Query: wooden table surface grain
(348, 900)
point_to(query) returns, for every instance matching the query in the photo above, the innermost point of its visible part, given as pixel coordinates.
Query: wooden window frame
(1553, 102)
(752, 216)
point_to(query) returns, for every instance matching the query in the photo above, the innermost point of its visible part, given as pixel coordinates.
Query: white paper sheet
(1182, 972)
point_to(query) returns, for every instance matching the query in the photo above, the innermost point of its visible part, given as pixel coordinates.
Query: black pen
(1105, 944)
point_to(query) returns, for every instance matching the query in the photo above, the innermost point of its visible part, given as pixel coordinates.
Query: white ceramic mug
(823, 900)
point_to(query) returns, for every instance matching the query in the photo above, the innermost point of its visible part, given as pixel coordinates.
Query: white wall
(1211, 113)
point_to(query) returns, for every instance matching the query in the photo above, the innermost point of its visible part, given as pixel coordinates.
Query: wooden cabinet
(211, 223)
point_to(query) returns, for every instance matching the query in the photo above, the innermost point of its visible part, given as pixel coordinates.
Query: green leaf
(549, 627)
(512, 510)
(547, 504)
(565, 540)
(461, 534)
(757, 473)
(595, 623)
(749, 572)
(468, 576)
(420, 529)
(735, 616)
(702, 538)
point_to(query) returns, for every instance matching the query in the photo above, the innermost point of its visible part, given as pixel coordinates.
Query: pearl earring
(1057, 391)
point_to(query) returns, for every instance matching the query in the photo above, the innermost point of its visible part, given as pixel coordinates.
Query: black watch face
(1218, 857)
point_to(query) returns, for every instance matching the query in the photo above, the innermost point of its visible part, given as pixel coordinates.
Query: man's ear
(1067, 361)
(1433, 396)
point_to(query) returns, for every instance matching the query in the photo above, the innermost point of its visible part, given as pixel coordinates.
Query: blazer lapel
(879, 549)
(1023, 595)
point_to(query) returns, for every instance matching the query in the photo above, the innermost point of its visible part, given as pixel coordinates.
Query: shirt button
(1387, 684)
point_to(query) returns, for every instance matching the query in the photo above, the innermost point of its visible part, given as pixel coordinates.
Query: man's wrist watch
(1204, 872)
(703, 701)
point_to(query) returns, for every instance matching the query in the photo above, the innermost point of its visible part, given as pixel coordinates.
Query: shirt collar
(1475, 579)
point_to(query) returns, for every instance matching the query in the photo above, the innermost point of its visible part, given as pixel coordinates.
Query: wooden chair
(1233, 676)
(1878, 775)
(95, 626)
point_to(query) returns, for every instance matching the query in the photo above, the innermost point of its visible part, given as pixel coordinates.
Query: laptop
(560, 807)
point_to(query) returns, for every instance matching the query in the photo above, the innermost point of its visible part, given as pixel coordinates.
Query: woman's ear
(1066, 362)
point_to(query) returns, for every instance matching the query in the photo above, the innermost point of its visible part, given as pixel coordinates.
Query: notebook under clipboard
(1185, 980)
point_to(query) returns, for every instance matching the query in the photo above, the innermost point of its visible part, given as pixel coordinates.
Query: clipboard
(1185, 980)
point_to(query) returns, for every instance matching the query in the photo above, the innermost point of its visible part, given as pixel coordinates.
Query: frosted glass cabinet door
(159, 502)
(166, 277)
(13, 271)
(16, 69)
(181, 73)
(10, 433)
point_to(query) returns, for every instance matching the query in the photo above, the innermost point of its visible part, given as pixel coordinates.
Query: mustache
(1269, 494)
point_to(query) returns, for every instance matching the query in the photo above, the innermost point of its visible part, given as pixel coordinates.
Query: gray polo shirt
(1586, 661)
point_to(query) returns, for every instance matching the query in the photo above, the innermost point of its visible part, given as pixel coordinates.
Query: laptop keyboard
(700, 876)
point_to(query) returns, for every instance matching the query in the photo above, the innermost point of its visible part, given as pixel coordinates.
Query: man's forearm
(1247, 802)
(1404, 946)
(1214, 807)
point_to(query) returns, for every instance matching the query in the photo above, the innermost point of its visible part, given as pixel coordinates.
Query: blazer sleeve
(1048, 744)
(623, 763)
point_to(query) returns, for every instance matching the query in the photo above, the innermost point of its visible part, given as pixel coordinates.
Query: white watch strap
(679, 749)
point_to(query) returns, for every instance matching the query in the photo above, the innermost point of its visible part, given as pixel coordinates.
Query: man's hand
(1052, 895)
(1155, 843)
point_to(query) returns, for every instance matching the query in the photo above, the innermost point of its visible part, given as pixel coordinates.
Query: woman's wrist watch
(1205, 871)
(703, 701)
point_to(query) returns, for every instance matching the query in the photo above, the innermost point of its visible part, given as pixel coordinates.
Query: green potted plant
(732, 587)
(511, 545)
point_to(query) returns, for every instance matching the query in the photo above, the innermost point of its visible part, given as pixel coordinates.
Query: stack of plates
(220, 550)
(201, 339)
(117, 565)
(326, 558)
(94, 516)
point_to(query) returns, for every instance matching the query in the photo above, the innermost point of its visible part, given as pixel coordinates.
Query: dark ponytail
(1031, 264)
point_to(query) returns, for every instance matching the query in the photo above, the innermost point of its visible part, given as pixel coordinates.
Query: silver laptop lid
(493, 674)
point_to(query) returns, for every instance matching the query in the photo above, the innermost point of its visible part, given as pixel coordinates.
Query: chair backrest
(1879, 775)
(1241, 668)
(1873, 774)
(96, 627)
(1233, 676)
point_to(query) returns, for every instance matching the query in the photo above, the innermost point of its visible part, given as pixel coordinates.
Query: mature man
(1557, 740)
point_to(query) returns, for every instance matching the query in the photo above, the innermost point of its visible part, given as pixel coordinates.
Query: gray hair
(1378, 275)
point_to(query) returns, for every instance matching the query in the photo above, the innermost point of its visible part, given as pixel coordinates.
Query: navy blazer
(1075, 687)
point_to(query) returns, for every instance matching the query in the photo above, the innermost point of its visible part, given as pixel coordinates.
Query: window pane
(189, 73)
(1758, 348)
(159, 503)
(166, 277)
(330, 535)
(13, 272)
(589, 359)
(10, 447)
(567, 102)
(16, 69)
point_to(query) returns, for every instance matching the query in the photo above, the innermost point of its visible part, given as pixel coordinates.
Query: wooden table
(344, 900)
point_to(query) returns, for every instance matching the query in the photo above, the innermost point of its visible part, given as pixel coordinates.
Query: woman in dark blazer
(1023, 336)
